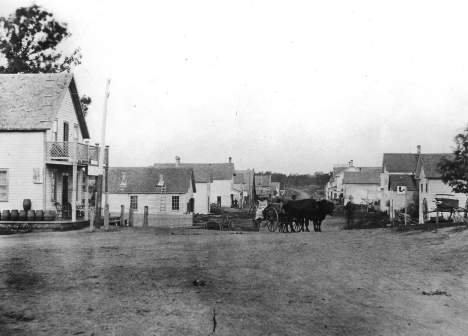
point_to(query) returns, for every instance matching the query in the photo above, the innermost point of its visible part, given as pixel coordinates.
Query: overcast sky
(290, 86)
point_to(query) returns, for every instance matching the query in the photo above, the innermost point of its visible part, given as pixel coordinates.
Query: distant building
(214, 182)
(363, 185)
(430, 185)
(162, 190)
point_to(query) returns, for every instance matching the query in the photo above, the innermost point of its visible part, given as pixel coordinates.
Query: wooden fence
(146, 219)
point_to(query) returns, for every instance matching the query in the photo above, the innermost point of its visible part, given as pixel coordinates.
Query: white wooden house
(400, 191)
(239, 187)
(203, 178)
(363, 185)
(214, 183)
(42, 128)
(163, 190)
(430, 184)
(395, 164)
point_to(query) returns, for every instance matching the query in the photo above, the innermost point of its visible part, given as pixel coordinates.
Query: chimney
(351, 163)
(230, 159)
(177, 161)
(419, 149)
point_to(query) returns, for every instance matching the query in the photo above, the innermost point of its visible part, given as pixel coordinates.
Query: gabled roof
(402, 180)
(145, 180)
(248, 176)
(429, 162)
(361, 178)
(32, 101)
(238, 178)
(400, 162)
(337, 170)
(203, 171)
(370, 169)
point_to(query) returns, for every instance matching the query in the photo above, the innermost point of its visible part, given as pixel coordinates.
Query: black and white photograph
(243, 167)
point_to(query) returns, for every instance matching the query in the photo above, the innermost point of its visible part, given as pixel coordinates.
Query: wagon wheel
(425, 211)
(272, 219)
(231, 225)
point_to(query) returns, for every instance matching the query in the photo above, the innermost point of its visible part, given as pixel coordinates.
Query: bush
(216, 209)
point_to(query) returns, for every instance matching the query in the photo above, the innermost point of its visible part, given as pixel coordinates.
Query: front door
(65, 190)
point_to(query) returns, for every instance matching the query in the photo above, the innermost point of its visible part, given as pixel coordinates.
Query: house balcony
(67, 152)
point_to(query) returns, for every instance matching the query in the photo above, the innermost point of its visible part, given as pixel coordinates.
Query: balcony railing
(66, 151)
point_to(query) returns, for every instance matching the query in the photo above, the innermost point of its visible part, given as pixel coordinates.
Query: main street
(135, 281)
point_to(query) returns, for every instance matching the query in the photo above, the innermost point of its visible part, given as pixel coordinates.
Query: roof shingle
(361, 178)
(430, 162)
(400, 162)
(32, 101)
(145, 180)
(402, 180)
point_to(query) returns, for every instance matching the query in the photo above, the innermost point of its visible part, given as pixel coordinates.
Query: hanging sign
(401, 190)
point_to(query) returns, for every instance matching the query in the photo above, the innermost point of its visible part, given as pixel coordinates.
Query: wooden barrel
(6, 215)
(22, 215)
(49, 216)
(27, 204)
(31, 215)
(14, 215)
(39, 215)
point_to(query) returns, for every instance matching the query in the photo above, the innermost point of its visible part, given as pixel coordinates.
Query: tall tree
(29, 40)
(454, 168)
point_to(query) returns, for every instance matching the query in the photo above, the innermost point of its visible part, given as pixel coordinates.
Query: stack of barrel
(27, 214)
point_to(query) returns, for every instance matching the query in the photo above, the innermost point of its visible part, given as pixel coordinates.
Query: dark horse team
(304, 211)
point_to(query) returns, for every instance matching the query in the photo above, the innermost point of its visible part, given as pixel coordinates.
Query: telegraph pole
(101, 160)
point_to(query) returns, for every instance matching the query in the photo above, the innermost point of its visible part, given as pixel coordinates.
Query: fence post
(91, 220)
(145, 217)
(122, 215)
(130, 216)
(437, 220)
(106, 217)
(392, 214)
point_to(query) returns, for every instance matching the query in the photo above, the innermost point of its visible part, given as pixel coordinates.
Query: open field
(135, 281)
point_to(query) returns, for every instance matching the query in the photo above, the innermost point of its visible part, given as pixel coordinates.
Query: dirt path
(139, 282)
(301, 194)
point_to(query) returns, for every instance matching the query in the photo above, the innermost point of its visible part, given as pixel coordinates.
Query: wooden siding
(20, 152)
(66, 113)
(152, 201)
(221, 188)
(202, 198)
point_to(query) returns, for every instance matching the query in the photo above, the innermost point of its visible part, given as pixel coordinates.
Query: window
(75, 135)
(3, 185)
(427, 187)
(53, 182)
(65, 131)
(134, 202)
(422, 187)
(175, 202)
(55, 130)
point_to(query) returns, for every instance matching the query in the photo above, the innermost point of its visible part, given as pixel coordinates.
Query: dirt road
(140, 282)
(301, 194)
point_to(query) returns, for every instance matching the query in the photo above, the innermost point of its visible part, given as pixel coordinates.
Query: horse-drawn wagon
(445, 203)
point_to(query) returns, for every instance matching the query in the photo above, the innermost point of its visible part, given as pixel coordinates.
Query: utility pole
(101, 160)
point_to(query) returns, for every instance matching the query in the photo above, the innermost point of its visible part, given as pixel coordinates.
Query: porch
(8, 227)
(68, 152)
